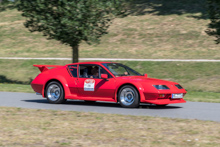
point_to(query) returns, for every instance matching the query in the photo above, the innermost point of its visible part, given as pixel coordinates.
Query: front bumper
(154, 98)
(164, 101)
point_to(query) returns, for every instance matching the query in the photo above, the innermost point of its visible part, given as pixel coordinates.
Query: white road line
(114, 59)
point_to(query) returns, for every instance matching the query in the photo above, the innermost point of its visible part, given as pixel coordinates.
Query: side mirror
(145, 75)
(104, 76)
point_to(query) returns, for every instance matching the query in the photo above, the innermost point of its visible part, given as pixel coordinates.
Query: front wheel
(128, 97)
(55, 93)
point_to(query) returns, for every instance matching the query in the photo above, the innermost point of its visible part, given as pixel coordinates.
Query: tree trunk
(75, 57)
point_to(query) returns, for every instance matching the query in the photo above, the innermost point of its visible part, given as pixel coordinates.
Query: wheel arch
(51, 80)
(119, 88)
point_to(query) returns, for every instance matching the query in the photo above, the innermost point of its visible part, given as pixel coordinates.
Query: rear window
(73, 70)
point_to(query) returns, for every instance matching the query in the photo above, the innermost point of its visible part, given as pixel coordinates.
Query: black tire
(55, 93)
(128, 97)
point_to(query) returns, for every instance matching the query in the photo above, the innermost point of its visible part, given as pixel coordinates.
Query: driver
(126, 73)
(95, 73)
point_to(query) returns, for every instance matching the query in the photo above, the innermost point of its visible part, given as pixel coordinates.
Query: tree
(214, 15)
(7, 1)
(7, 4)
(71, 21)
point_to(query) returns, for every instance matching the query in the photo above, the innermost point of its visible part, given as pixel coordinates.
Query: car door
(72, 81)
(90, 86)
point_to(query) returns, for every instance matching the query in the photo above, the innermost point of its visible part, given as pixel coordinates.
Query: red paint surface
(105, 90)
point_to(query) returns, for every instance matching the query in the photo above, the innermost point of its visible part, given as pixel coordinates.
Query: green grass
(156, 29)
(211, 97)
(193, 76)
(16, 88)
(65, 128)
(22, 71)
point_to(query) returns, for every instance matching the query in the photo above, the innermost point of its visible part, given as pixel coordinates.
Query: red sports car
(104, 81)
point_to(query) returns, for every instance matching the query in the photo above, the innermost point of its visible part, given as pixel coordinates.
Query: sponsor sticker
(89, 85)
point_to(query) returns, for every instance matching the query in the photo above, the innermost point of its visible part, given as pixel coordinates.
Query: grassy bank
(200, 77)
(156, 29)
(202, 97)
(16, 88)
(63, 128)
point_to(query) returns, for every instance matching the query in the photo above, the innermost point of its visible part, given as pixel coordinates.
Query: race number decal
(89, 85)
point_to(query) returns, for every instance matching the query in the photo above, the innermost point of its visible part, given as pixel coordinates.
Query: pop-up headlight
(179, 86)
(161, 87)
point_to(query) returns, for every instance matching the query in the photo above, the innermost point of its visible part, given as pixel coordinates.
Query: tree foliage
(7, 4)
(214, 15)
(71, 21)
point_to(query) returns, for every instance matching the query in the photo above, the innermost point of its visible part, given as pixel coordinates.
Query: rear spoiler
(43, 68)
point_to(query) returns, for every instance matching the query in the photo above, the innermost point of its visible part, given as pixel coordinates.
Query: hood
(146, 80)
(147, 84)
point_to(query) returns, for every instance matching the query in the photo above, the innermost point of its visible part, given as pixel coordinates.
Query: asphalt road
(189, 110)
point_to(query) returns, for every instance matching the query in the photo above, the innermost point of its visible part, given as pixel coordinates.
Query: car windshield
(120, 70)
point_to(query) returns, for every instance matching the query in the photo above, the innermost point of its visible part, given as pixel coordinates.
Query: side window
(83, 71)
(103, 71)
(92, 71)
(73, 70)
(89, 71)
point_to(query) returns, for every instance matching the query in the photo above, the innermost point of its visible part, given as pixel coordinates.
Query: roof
(93, 62)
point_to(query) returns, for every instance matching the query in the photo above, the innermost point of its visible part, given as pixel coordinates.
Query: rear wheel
(128, 97)
(55, 93)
